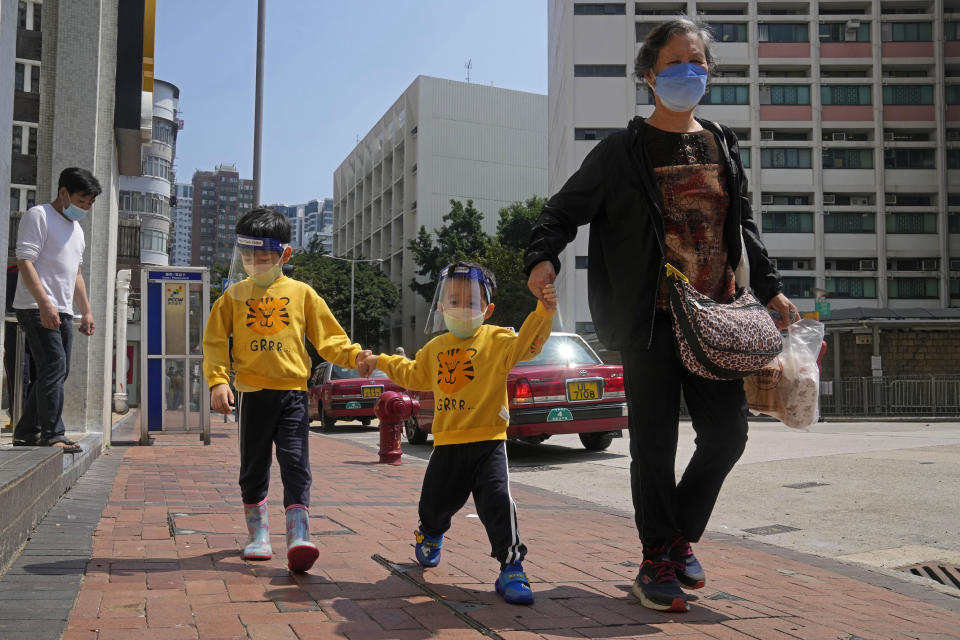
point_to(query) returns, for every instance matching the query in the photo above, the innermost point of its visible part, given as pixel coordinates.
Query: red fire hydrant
(392, 408)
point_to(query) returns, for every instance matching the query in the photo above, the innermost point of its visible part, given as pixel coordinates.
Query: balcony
(846, 50)
(26, 106)
(29, 44)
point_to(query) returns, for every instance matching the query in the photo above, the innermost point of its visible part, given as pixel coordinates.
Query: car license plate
(353, 405)
(371, 392)
(584, 389)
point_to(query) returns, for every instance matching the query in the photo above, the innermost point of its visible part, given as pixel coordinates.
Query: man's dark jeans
(41, 419)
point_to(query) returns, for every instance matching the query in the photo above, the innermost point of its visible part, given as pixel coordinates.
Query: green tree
(460, 238)
(504, 257)
(375, 296)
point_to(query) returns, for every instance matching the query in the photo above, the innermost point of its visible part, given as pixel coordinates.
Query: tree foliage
(375, 296)
(462, 238)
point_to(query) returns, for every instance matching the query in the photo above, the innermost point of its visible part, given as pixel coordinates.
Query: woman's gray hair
(658, 37)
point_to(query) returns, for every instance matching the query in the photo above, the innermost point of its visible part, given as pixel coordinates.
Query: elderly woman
(670, 188)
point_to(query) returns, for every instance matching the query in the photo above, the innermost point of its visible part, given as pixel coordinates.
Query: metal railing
(935, 396)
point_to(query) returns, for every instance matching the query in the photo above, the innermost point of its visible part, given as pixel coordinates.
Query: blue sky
(332, 68)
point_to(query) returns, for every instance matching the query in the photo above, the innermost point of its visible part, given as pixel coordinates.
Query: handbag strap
(674, 273)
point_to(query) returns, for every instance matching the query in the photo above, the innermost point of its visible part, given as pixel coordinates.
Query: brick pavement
(166, 565)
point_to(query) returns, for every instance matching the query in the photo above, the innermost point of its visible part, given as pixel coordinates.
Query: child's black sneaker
(656, 585)
(428, 549)
(690, 573)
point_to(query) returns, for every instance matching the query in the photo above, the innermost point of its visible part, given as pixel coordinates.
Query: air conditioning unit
(860, 202)
(868, 265)
(829, 198)
(839, 137)
(929, 264)
(766, 198)
(853, 24)
(888, 136)
(766, 134)
(891, 198)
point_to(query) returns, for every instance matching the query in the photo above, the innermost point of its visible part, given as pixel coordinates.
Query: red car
(341, 394)
(565, 389)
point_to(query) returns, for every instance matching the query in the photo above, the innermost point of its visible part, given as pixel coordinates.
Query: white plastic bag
(788, 388)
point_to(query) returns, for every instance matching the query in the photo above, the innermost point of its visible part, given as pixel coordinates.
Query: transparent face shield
(460, 302)
(255, 265)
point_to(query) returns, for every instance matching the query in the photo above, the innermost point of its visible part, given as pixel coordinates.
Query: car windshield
(341, 373)
(565, 351)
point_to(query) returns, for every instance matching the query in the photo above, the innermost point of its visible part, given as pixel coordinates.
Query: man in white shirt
(50, 246)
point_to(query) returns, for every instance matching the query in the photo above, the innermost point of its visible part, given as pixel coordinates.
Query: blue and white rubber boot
(513, 585)
(428, 549)
(301, 553)
(258, 542)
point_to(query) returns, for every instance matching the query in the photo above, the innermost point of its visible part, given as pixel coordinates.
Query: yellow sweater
(468, 377)
(268, 327)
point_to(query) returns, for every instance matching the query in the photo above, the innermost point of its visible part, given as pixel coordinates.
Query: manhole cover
(806, 485)
(722, 595)
(533, 468)
(771, 529)
(945, 574)
(182, 524)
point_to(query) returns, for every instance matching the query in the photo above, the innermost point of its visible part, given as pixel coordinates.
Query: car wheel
(533, 439)
(414, 434)
(596, 441)
(327, 422)
(365, 422)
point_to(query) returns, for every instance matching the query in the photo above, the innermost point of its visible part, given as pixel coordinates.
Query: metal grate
(945, 574)
(806, 485)
(771, 529)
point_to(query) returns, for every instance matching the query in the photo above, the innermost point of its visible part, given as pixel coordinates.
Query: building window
(784, 32)
(156, 167)
(745, 158)
(728, 31)
(952, 93)
(19, 76)
(17, 140)
(581, 262)
(600, 70)
(953, 159)
(14, 200)
(128, 242)
(951, 31)
(163, 131)
(839, 32)
(786, 158)
(913, 288)
(599, 9)
(902, 222)
(593, 134)
(22, 14)
(726, 94)
(834, 222)
(787, 222)
(909, 94)
(152, 240)
(845, 94)
(909, 158)
(784, 94)
(31, 141)
(641, 29)
(847, 159)
(906, 32)
(797, 286)
(852, 287)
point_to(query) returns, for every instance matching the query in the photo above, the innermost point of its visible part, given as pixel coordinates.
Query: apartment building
(440, 140)
(219, 198)
(848, 114)
(182, 224)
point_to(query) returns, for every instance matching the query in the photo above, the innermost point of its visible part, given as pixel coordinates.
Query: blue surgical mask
(73, 212)
(680, 86)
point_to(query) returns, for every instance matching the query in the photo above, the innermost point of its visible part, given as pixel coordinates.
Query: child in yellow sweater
(466, 368)
(268, 315)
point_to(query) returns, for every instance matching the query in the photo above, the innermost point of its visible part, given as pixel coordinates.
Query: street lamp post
(353, 262)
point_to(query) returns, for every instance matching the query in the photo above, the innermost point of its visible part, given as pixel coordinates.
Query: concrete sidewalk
(165, 565)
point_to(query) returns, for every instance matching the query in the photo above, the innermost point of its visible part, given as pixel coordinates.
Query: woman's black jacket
(616, 192)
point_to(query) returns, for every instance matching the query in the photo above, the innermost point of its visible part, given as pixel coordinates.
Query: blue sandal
(513, 585)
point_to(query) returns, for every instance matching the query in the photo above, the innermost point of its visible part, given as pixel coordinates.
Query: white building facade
(182, 224)
(146, 198)
(849, 119)
(440, 140)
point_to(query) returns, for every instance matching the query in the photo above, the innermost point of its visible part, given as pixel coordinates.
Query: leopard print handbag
(720, 341)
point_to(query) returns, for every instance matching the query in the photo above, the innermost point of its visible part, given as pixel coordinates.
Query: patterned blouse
(693, 178)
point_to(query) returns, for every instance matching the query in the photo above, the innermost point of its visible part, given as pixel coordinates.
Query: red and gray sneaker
(656, 585)
(690, 573)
